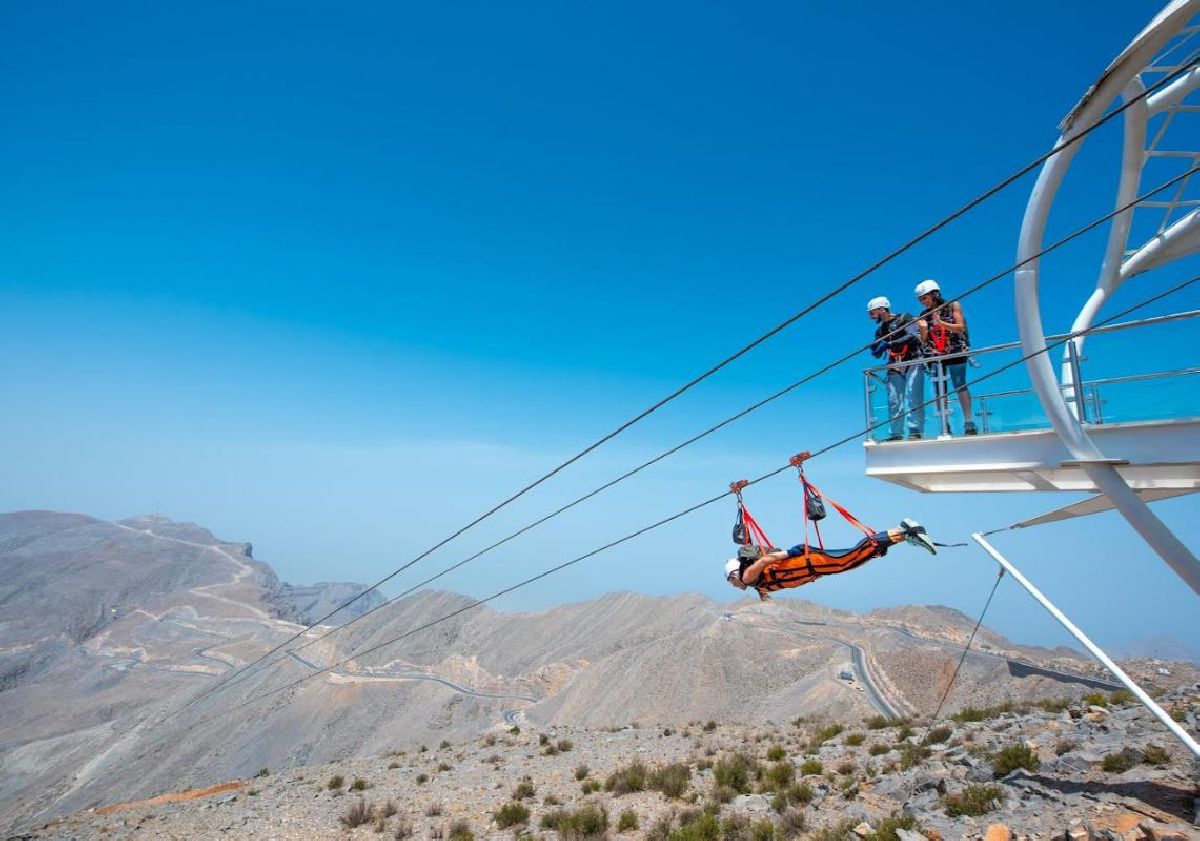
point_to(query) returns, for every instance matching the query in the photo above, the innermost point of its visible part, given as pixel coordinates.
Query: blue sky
(336, 280)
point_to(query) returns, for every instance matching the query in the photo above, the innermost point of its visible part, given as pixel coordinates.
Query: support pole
(1096, 651)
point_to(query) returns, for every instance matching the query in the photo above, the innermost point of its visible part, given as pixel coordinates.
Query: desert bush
(565, 745)
(1095, 699)
(937, 736)
(581, 771)
(779, 801)
(1065, 746)
(1012, 757)
(423, 749)
(792, 822)
(846, 768)
(627, 821)
(839, 832)
(736, 772)
(778, 776)
(489, 741)
(904, 732)
(776, 753)
(1120, 696)
(701, 827)
(422, 778)
(586, 822)
(1053, 705)
(721, 794)
(811, 766)
(392, 766)
(800, 793)
(854, 739)
(876, 722)
(524, 789)
(710, 726)
(403, 830)
(1116, 763)
(543, 739)
(660, 830)
(460, 830)
(1156, 755)
(434, 810)
(335, 782)
(443, 745)
(974, 800)
(887, 830)
(823, 735)
(590, 786)
(878, 750)
(672, 780)
(628, 779)
(356, 814)
(442, 766)
(359, 784)
(511, 814)
(912, 755)
(1178, 715)
(551, 800)
(263, 772)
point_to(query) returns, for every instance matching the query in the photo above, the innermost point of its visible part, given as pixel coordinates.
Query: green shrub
(776, 753)
(937, 736)
(811, 766)
(1116, 763)
(792, 823)
(551, 800)
(1156, 755)
(586, 822)
(887, 830)
(627, 821)
(841, 832)
(335, 782)
(1053, 705)
(672, 780)
(878, 750)
(710, 726)
(590, 786)
(973, 800)
(903, 733)
(877, 722)
(443, 745)
(628, 779)
(800, 793)
(524, 789)
(721, 794)
(823, 735)
(358, 785)
(736, 772)
(442, 766)
(1013, 757)
(1095, 699)
(912, 755)
(703, 827)
(422, 779)
(1178, 715)
(581, 772)
(511, 814)
(854, 739)
(845, 768)
(778, 776)
(1120, 696)
(983, 713)
(460, 830)
(263, 772)
(356, 814)
(779, 801)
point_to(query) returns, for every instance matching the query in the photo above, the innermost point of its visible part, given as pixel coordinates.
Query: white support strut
(1095, 650)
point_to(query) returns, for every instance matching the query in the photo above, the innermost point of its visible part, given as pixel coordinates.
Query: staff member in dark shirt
(898, 339)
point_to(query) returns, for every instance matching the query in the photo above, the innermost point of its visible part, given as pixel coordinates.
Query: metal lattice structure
(1167, 46)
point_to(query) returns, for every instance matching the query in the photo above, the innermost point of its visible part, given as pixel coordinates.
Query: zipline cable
(908, 245)
(244, 671)
(689, 510)
(710, 430)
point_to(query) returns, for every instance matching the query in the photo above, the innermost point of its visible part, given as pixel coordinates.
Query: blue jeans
(906, 386)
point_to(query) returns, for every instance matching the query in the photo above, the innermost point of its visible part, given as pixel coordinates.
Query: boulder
(997, 832)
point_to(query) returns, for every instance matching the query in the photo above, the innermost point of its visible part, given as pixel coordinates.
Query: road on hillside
(411, 676)
(871, 690)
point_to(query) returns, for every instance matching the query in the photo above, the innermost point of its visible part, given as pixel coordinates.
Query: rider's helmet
(877, 302)
(927, 286)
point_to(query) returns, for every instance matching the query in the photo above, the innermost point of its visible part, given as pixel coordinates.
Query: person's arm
(960, 319)
(750, 576)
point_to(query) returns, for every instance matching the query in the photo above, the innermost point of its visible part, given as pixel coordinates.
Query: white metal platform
(1153, 455)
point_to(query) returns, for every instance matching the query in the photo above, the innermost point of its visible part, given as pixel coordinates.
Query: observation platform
(1147, 425)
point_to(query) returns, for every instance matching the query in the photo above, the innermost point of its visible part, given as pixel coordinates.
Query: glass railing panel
(1164, 397)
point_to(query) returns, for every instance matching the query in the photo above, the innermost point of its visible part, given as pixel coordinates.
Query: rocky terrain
(1099, 770)
(122, 647)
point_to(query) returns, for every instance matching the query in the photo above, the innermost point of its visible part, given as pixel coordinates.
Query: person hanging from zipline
(760, 565)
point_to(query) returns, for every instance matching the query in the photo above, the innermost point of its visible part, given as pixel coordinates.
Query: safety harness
(747, 532)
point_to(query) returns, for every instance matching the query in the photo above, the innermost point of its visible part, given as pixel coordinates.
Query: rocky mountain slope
(1039, 772)
(119, 643)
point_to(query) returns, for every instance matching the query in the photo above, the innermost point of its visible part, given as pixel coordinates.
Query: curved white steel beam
(1028, 305)
(1180, 240)
(1133, 158)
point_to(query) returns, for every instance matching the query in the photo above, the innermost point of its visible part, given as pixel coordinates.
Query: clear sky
(336, 278)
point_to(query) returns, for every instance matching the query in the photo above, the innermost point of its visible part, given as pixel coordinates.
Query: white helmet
(876, 303)
(927, 286)
(731, 566)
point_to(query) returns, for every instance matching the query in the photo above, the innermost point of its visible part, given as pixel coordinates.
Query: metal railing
(1085, 397)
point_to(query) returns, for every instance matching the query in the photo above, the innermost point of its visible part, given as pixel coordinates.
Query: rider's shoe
(914, 533)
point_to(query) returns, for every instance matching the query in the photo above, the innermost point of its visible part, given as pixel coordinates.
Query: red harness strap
(809, 488)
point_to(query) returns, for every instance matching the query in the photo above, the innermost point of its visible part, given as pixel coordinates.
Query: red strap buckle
(799, 458)
(736, 487)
